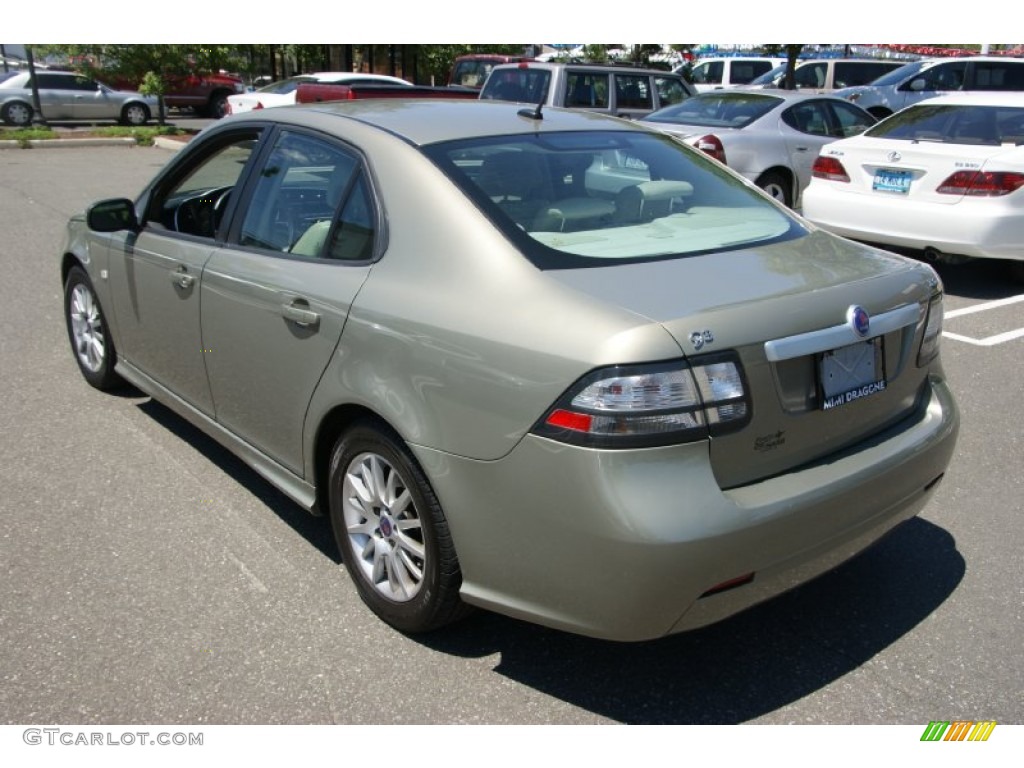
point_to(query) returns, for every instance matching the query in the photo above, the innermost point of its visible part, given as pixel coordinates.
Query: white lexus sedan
(943, 178)
(771, 138)
(282, 92)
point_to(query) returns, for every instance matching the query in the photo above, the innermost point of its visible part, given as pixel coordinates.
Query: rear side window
(851, 73)
(998, 76)
(743, 72)
(586, 89)
(633, 92)
(811, 75)
(527, 84)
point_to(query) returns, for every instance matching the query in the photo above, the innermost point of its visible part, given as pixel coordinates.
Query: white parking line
(989, 341)
(982, 307)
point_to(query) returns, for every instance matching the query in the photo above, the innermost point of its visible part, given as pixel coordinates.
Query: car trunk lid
(786, 310)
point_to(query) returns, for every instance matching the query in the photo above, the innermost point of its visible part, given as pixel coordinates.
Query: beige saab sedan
(548, 363)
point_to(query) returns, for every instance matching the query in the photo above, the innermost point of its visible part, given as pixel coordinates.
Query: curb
(159, 141)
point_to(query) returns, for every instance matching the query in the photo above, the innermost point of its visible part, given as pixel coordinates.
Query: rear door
(276, 298)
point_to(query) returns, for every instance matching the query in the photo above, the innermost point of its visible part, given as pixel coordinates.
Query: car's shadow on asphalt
(731, 672)
(983, 279)
(742, 668)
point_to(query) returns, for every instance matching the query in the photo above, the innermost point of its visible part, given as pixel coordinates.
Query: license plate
(887, 180)
(850, 373)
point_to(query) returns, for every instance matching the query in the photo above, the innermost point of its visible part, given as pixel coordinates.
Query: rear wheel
(218, 106)
(88, 333)
(391, 531)
(778, 186)
(17, 113)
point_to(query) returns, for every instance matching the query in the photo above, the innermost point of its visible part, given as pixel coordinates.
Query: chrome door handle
(300, 315)
(181, 278)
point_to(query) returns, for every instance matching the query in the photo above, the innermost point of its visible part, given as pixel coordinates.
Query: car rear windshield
(954, 124)
(717, 110)
(581, 199)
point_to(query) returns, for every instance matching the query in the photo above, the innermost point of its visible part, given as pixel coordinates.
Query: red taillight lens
(648, 405)
(831, 169)
(981, 183)
(711, 145)
(259, 105)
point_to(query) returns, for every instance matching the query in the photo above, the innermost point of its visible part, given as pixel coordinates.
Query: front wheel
(88, 333)
(778, 186)
(135, 114)
(391, 531)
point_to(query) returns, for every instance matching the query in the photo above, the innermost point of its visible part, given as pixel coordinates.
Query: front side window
(811, 75)
(193, 201)
(943, 77)
(708, 73)
(301, 188)
(583, 199)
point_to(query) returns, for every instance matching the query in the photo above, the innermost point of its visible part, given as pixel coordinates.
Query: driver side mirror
(112, 215)
(918, 84)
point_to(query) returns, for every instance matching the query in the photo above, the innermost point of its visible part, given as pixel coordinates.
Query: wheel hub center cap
(386, 527)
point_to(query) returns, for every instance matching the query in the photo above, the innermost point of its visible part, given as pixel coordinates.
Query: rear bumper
(622, 544)
(984, 228)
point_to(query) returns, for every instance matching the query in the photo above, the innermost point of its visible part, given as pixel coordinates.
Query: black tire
(217, 107)
(391, 531)
(17, 113)
(88, 333)
(1016, 269)
(135, 114)
(778, 186)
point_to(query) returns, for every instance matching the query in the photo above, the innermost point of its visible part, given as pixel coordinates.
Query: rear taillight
(648, 405)
(981, 183)
(259, 105)
(932, 331)
(711, 145)
(829, 168)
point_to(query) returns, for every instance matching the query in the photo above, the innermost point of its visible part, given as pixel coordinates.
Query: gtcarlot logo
(71, 738)
(958, 730)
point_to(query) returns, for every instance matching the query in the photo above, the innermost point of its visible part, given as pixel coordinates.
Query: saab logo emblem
(894, 157)
(700, 338)
(859, 320)
(958, 730)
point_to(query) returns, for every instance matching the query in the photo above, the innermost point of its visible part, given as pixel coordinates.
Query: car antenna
(533, 114)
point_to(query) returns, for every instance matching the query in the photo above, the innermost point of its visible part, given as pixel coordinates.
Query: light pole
(37, 109)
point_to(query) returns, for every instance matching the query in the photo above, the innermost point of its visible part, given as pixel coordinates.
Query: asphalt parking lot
(150, 577)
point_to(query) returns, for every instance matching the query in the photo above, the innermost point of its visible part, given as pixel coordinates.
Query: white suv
(925, 79)
(616, 90)
(728, 71)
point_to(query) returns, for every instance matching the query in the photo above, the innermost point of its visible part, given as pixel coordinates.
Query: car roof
(427, 121)
(979, 99)
(775, 93)
(555, 65)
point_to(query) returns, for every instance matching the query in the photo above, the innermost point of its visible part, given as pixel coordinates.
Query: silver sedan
(772, 139)
(71, 96)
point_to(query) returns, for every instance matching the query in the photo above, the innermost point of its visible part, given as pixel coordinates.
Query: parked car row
(71, 96)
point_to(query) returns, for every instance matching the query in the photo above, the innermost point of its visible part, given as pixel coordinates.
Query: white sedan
(943, 177)
(771, 138)
(282, 92)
